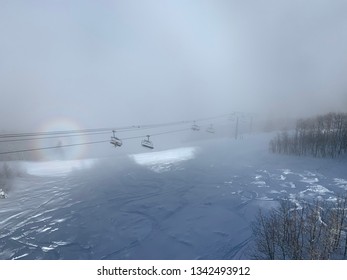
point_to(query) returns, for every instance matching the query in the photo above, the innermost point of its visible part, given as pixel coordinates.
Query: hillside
(193, 202)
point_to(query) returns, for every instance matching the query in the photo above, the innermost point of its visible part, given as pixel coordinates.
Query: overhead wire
(87, 143)
(156, 134)
(59, 133)
(82, 132)
(52, 147)
(52, 137)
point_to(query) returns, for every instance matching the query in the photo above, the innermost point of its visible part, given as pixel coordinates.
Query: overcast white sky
(108, 63)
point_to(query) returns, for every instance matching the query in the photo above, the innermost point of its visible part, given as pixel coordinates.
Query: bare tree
(320, 137)
(315, 230)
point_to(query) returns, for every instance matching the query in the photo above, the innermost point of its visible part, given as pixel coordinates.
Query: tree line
(322, 136)
(316, 230)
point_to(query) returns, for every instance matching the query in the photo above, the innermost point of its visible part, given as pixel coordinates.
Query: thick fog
(113, 63)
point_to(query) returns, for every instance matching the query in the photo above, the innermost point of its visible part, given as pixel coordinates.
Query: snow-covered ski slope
(194, 202)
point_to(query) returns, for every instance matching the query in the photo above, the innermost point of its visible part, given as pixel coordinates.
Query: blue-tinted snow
(124, 207)
(56, 167)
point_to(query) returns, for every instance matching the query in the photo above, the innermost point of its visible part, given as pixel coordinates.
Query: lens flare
(61, 152)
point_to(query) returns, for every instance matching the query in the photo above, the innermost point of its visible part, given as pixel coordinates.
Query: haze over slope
(108, 63)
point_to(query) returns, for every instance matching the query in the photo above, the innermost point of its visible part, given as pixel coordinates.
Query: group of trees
(315, 230)
(322, 136)
(7, 174)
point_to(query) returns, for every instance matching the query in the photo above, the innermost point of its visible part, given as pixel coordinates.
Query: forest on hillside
(313, 230)
(321, 136)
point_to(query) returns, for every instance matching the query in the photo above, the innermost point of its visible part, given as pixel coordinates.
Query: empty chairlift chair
(210, 129)
(195, 127)
(232, 117)
(115, 141)
(147, 143)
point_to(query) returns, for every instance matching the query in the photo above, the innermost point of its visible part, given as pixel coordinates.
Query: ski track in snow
(154, 214)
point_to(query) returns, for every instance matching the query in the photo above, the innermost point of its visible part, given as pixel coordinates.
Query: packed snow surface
(56, 168)
(193, 202)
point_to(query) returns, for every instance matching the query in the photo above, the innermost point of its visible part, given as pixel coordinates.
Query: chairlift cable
(85, 143)
(52, 147)
(102, 130)
(52, 137)
(56, 134)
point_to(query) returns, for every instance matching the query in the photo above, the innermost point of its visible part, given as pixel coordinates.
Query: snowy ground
(195, 202)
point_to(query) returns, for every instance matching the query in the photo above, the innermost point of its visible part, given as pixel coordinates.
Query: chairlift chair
(232, 117)
(147, 143)
(195, 127)
(210, 129)
(115, 141)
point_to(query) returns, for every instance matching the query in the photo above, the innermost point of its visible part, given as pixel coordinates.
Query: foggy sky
(111, 63)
